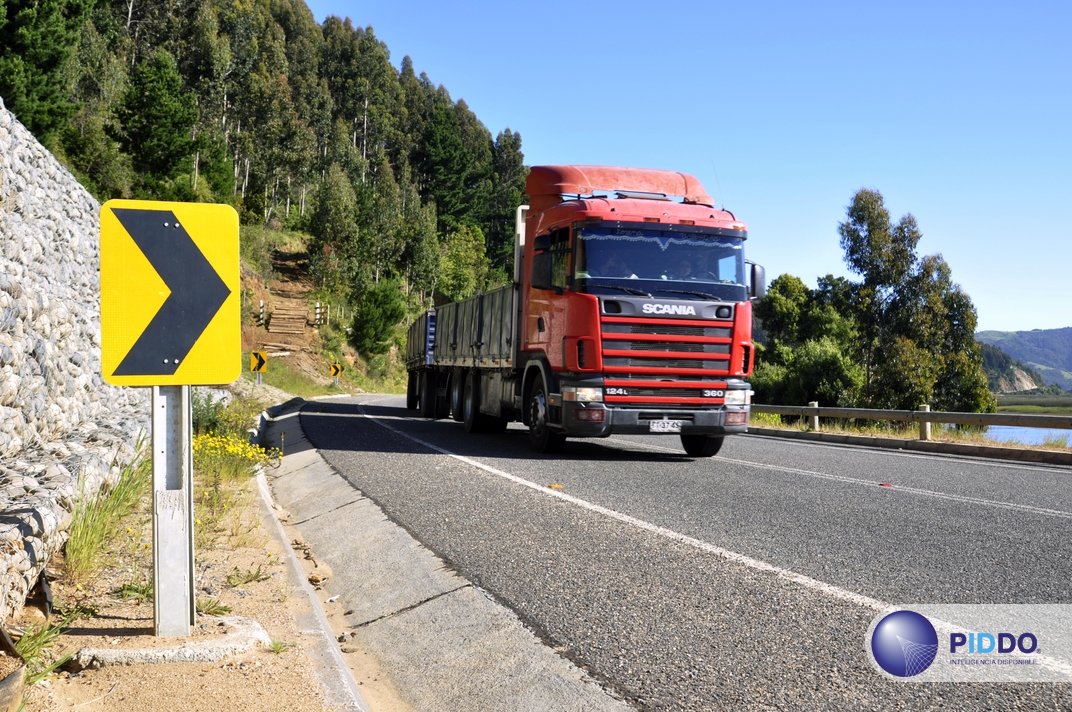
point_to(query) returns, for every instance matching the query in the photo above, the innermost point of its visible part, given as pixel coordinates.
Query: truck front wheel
(542, 438)
(701, 445)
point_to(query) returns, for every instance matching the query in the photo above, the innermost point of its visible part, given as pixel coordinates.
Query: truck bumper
(584, 420)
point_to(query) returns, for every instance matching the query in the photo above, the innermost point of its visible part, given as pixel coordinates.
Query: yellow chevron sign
(170, 293)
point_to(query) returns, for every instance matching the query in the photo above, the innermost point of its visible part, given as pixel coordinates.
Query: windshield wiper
(705, 295)
(627, 290)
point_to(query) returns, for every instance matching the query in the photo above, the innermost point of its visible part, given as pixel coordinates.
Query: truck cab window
(550, 266)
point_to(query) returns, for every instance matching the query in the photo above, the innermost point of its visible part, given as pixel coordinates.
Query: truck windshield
(695, 264)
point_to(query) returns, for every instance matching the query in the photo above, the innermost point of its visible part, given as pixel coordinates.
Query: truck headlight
(737, 397)
(582, 394)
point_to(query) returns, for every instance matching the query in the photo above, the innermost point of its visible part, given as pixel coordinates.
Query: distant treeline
(297, 124)
(900, 336)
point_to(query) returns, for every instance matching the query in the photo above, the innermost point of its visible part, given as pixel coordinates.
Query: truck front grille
(648, 362)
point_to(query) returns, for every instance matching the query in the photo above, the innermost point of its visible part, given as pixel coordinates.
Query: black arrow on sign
(259, 366)
(197, 292)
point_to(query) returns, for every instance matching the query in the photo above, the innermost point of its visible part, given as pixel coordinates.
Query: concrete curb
(444, 643)
(340, 688)
(995, 452)
(243, 635)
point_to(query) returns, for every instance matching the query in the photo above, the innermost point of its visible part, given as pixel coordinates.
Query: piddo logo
(904, 643)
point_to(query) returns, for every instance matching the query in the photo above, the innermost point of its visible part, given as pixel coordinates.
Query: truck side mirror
(757, 288)
(542, 243)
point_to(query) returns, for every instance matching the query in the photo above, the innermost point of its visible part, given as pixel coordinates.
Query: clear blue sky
(957, 112)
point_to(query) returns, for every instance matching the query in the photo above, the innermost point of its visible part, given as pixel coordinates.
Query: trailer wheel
(701, 445)
(411, 391)
(457, 394)
(471, 403)
(541, 437)
(442, 402)
(428, 399)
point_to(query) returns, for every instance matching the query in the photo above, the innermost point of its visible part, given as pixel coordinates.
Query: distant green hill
(1048, 351)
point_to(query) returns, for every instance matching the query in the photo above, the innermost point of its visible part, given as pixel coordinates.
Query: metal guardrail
(924, 416)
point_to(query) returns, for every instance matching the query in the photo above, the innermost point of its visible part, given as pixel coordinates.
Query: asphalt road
(748, 580)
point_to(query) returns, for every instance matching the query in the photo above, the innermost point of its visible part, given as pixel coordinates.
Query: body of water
(1028, 436)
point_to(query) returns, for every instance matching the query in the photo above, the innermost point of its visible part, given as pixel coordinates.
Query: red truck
(630, 312)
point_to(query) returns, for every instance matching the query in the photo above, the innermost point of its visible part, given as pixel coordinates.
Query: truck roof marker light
(651, 219)
(687, 222)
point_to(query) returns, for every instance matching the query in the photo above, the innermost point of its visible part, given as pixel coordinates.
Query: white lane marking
(876, 483)
(1061, 666)
(890, 452)
(963, 499)
(904, 488)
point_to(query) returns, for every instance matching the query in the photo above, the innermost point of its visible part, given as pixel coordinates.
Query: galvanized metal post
(814, 418)
(173, 511)
(925, 425)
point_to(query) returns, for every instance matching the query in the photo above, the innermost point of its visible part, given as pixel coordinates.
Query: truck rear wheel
(428, 397)
(411, 391)
(457, 394)
(471, 403)
(541, 437)
(701, 445)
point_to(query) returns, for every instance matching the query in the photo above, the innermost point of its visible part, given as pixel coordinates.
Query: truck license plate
(665, 426)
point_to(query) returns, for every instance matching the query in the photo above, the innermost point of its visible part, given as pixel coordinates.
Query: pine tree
(37, 38)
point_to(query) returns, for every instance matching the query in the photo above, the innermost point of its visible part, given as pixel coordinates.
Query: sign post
(336, 370)
(174, 602)
(170, 320)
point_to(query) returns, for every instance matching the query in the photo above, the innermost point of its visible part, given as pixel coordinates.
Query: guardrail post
(814, 418)
(925, 425)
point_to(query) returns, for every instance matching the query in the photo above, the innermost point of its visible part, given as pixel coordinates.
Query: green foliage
(295, 124)
(817, 370)
(212, 607)
(333, 254)
(464, 265)
(35, 647)
(901, 337)
(240, 578)
(138, 592)
(36, 42)
(157, 115)
(376, 317)
(207, 411)
(95, 519)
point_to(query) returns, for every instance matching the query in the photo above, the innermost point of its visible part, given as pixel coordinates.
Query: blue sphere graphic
(904, 643)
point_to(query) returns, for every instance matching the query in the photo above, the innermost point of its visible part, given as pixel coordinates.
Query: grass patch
(1036, 409)
(139, 592)
(240, 578)
(96, 519)
(36, 645)
(283, 377)
(278, 646)
(212, 607)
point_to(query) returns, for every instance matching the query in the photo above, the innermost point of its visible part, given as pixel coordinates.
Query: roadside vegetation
(903, 431)
(108, 554)
(901, 334)
(1040, 405)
